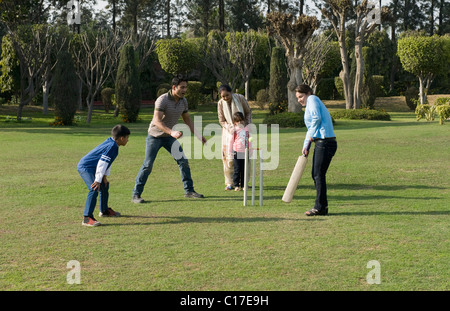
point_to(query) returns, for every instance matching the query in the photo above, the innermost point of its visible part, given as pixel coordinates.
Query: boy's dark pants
(91, 200)
(324, 151)
(239, 169)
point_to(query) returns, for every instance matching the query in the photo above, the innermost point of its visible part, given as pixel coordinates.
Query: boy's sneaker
(109, 213)
(90, 222)
(193, 194)
(137, 199)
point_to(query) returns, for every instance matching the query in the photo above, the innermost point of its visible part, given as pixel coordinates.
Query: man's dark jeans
(324, 151)
(174, 148)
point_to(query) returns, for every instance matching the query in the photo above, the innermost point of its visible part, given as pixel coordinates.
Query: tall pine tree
(64, 93)
(128, 90)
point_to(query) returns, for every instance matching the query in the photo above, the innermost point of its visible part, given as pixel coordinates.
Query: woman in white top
(228, 104)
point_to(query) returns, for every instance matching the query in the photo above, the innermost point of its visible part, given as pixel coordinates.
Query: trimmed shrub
(411, 97)
(255, 86)
(161, 91)
(371, 90)
(339, 87)
(107, 98)
(287, 119)
(326, 89)
(361, 114)
(278, 77)
(64, 94)
(194, 96)
(128, 91)
(262, 98)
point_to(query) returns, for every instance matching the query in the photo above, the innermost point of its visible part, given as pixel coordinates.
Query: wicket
(247, 175)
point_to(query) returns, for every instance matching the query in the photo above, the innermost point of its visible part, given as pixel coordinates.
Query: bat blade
(295, 178)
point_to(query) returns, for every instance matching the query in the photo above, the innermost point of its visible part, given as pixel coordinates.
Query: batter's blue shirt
(317, 120)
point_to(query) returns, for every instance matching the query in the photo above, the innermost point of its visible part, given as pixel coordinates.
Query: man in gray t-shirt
(168, 109)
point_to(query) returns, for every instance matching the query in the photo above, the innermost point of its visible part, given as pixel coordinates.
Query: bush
(276, 108)
(411, 97)
(287, 119)
(255, 86)
(441, 108)
(161, 91)
(64, 94)
(339, 87)
(361, 114)
(278, 76)
(326, 89)
(371, 90)
(107, 94)
(262, 98)
(128, 91)
(194, 96)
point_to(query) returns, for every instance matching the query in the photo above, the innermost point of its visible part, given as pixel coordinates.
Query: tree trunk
(422, 93)
(359, 75)
(295, 67)
(345, 73)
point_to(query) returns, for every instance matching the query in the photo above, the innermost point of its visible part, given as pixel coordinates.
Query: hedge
(361, 114)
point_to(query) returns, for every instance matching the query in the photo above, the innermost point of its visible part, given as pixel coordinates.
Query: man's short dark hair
(178, 79)
(120, 131)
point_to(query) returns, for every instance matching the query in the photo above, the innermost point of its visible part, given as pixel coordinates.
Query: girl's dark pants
(324, 151)
(239, 168)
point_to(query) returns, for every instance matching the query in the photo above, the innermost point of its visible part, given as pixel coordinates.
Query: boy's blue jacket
(98, 161)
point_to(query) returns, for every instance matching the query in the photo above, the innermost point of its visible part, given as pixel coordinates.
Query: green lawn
(388, 201)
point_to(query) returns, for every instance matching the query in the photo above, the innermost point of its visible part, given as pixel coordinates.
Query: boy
(93, 169)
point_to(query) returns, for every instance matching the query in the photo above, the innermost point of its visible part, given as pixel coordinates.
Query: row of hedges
(361, 114)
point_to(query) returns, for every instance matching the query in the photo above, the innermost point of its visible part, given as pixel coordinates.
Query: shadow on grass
(171, 220)
(390, 213)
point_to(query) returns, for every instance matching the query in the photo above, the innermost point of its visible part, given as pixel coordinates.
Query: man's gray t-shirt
(171, 110)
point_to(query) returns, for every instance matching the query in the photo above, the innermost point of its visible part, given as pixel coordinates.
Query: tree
(33, 46)
(128, 91)
(337, 11)
(244, 15)
(317, 50)
(64, 94)
(231, 57)
(425, 57)
(201, 15)
(293, 35)
(278, 76)
(95, 61)
(364, 25)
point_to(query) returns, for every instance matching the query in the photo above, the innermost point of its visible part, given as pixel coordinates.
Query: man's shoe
(193, 194)
(109, 213)
(90, 222)
(137, 199)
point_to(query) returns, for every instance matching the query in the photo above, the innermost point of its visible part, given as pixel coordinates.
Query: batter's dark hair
(303, 88)
(120, 131)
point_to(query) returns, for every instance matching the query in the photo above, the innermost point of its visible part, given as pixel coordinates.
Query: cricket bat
(295, 177)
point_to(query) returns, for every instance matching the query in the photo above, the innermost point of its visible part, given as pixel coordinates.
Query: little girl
(236, 149)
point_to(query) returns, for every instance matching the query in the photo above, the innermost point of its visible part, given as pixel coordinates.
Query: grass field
(388, 201)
